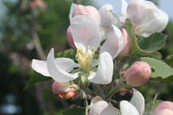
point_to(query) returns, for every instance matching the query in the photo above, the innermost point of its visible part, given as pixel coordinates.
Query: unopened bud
(38, 3)
(164, 108)
(70, 37)
(138, 73)
(89, 11)
(127, 44)
(65, 90)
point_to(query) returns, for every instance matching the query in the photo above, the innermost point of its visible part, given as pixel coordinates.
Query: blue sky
(165, 5)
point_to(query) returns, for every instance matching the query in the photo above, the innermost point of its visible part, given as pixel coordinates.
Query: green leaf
(75, 111)
(146, 46)
(48, 95)
(152, 43)
(67, 53)
(35, 78)
(151, 106)
(160, 70)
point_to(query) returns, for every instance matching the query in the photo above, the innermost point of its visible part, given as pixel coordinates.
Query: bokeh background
(29, 30)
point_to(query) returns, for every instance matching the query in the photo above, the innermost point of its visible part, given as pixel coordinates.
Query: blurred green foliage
(17, 49)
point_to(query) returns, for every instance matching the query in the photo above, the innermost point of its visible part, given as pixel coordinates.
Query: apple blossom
(108, 16)
(146, 17)
(164, 108)
(65, 90)
(85, 10)
(137, 74)
(127, 44)
(135, 107)
(87, 38)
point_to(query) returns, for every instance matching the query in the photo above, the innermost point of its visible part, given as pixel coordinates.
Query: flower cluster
(102, 43)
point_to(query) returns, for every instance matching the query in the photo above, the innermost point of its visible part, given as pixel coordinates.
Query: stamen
(85, 58)
(93, 49)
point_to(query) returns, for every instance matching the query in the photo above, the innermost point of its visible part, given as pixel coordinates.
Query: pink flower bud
(70, 37)
(38, 3)
(138, 73)
(87, 10)
(65, 90)
(164, 108)
(127, 44)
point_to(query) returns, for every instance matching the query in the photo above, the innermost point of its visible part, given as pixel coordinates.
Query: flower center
(85, 58)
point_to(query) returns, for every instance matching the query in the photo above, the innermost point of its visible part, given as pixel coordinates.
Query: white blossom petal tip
(114, 43)
(104, 71)
(98, 107)
(108, 16)
(127, 108)
(40, 67)
(138, 101)
(73, 6)
(86, 32)
(56, 72)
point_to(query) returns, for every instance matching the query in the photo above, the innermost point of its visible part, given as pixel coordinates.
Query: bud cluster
(103, 50)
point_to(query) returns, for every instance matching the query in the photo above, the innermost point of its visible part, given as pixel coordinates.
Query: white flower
(109, 17)
(146, 17)
(86, 37)
(134, 107)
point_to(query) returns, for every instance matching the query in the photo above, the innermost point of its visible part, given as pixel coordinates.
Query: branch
(77, 1)
(36, 40)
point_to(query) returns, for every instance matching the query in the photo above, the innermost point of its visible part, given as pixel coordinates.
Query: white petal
(104, 71)
(114, 43)
(158, 20)
(86, 32)
(108, 17)
(127, 108)
(72, 10)
(92, 75)
(143, 14)
(40, 67)
(56, 73)
(98, 107)
(61, 62)
(123, 10)
(95, 100)
(138, 101)
(137, 13)
(110, 110)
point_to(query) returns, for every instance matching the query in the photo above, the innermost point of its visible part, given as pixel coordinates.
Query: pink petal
(86, 32)
(114, 43)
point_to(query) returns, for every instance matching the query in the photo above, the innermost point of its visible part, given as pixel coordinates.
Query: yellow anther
(85, 58)
(92, 49)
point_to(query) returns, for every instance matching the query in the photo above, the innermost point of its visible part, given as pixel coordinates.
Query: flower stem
(118, 86)
(88, 91)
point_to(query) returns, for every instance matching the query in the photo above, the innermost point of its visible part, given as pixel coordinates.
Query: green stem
(119, 86)
(87, 107)
(88, 91)
(98, 90)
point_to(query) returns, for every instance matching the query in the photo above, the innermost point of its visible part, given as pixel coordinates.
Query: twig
(36, 40)
(77, 1)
